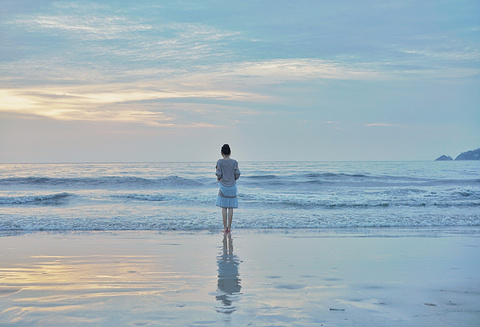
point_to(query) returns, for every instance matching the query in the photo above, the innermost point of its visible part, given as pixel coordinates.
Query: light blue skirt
(227, 196)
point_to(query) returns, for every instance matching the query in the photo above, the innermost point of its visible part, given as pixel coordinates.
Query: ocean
(280, 195)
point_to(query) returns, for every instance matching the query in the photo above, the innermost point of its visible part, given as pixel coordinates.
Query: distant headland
(469, 155)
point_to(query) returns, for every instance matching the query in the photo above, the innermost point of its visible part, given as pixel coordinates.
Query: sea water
(181, 196)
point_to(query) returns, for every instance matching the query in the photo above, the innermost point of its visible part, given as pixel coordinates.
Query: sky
(148, 81)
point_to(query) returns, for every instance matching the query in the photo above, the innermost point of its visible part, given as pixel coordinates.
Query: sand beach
(335, 277)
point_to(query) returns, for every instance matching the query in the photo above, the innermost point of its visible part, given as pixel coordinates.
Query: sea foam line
(34, 199)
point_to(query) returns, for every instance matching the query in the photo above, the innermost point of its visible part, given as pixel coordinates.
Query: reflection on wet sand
(228, 286)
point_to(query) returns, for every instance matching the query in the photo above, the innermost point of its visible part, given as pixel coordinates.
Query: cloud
(86, 21)
(115, 64)
(171, 103)
(466, 54)
(122, 96)
(382, 125)
(90, 41)
(295, 69)
(92, 29)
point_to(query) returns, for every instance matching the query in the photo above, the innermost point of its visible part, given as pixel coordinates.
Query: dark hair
(226, 149)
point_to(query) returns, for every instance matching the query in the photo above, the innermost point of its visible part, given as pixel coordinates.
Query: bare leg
(224, 216)
(230, 218)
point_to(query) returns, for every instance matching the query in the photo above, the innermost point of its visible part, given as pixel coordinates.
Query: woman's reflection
(228, 286)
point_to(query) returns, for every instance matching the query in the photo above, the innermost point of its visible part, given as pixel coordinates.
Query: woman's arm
(236, 171)
(218, 173)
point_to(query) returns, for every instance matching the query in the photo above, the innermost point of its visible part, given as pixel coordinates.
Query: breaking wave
(48, 199)
(100, 182)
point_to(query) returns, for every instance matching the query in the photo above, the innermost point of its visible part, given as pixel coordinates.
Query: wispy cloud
(142, 38)
(383, 125)
(295, 69)
(130, 100)
(83, 27)
(161, 104)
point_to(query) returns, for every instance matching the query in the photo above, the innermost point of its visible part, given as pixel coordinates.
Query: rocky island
(444, 158)
(469, 155)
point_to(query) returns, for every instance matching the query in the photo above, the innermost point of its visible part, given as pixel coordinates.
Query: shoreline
(394, 231)
(286, 277)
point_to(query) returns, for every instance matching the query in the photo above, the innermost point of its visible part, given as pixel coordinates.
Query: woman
(227, 175)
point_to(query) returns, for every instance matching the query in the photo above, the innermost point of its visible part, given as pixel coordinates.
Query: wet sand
(369, 277)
